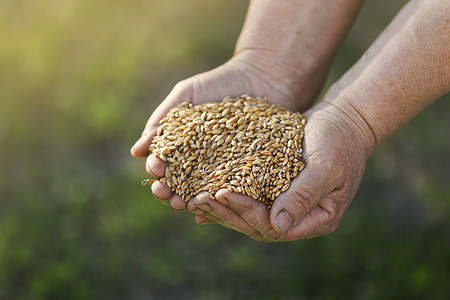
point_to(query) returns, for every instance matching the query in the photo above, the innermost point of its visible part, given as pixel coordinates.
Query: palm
(233, 80)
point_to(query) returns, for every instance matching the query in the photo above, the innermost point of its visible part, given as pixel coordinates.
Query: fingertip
(138, 153)
(239, 202)
(228, 198)
(140, 148)
(190, 205)
(202, 198)
(133, 151)
(304, 193)
(177, 203)
(194, 209)
(155, 166)
(222, 196)
(161, 190)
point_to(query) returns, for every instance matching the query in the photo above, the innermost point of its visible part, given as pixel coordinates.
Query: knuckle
(180, 87)
(303, 199)
(332, 213)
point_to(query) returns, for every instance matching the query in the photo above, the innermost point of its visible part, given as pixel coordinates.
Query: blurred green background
(78, 80)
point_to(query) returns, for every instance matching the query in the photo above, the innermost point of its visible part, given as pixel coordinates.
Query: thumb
(181, 92)
(306, 191)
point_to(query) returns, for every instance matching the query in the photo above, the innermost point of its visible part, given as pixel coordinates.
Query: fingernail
(223, 201)
(204, 206)
(284, 221)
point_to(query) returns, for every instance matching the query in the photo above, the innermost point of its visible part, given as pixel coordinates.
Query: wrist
(338, 104)
(401, 73)
(299, 78)
(293, 42)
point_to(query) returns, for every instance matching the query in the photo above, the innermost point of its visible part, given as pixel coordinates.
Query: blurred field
(78, 79)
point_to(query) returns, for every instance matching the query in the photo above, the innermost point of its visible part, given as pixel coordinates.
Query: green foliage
(78, 80)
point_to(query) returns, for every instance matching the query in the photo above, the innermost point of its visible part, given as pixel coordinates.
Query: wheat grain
(244, 144)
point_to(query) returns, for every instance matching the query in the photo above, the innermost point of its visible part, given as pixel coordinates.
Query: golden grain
(243, 144)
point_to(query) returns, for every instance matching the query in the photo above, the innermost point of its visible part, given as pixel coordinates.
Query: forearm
(295, 38)
(406, 69)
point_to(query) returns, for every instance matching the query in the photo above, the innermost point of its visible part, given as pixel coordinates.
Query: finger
(209, 218)
(181, 92)
(177, 203)
(194, 209)
(155, 167)
(322, 219)
(202, 220)
(305, 192)
(203, 215)
(161, 190)
(226, 216)
(163, 201)
(254, 213)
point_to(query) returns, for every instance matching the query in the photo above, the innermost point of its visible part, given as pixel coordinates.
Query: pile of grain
(242, 144)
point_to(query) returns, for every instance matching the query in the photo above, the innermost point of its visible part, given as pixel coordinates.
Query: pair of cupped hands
(334, 152)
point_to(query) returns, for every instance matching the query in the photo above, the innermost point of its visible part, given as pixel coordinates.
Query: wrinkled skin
(334, 154)
(404, 71)
(335, 160)
(238, 76)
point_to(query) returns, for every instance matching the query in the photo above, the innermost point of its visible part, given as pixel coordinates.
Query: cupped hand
(335, 152)
(238, 76)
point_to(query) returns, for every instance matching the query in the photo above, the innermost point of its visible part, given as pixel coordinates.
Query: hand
(241, 75)
(335, 152)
